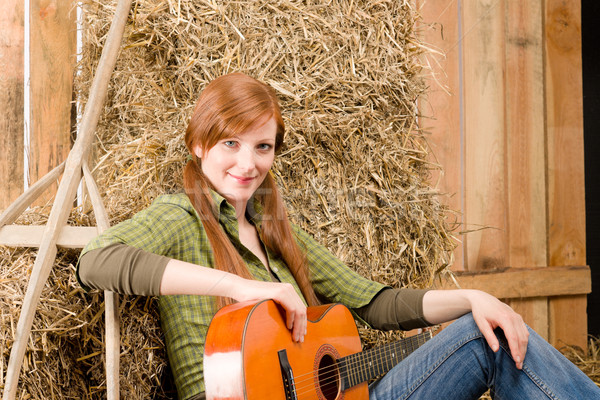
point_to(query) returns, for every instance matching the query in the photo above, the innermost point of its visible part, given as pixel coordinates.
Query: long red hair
(229, 106)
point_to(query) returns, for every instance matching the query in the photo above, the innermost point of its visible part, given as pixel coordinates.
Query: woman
(228, 239)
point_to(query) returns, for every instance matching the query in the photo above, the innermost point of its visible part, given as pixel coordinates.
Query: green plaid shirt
(171, 227)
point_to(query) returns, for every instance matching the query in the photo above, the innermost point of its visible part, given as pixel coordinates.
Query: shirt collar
(225, 210)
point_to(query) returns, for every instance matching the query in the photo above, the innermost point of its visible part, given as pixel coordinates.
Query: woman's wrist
(445, 305)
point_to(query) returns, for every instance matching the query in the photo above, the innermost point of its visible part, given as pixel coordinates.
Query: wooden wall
(52, 58)
(505, 116)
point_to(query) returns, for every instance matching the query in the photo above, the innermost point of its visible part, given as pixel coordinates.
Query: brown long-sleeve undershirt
(129, 270)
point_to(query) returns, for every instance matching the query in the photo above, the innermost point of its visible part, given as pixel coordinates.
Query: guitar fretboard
(372, 363)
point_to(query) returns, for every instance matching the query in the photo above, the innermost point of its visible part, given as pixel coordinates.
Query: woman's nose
(246, 159)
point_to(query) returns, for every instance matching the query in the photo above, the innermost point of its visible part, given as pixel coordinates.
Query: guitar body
(242, 354)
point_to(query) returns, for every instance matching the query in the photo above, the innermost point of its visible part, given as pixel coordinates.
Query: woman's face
(237, 166)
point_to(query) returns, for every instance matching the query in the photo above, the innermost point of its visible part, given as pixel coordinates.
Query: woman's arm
(184, 278)
(128, 270)
(395, 309)
(489, 313)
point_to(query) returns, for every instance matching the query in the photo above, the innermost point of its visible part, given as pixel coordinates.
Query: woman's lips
(242, 179)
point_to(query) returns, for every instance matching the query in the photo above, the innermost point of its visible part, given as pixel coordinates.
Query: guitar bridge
(287, 375)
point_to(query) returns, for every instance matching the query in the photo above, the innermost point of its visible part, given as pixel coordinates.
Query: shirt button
(274, 269)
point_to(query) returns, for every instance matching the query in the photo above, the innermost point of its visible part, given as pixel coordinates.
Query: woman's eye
(229, 143)
(264, 146)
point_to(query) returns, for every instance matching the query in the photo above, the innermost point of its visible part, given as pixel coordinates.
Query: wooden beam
(520, 283)
(73, 237)
(11, 100)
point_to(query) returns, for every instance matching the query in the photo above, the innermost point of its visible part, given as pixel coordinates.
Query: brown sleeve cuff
(394, 309)
(122, 269)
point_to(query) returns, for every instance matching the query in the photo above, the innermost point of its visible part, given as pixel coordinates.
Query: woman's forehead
(264, 130)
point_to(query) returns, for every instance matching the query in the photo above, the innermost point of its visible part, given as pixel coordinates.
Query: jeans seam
(534, 378)
(441, 360)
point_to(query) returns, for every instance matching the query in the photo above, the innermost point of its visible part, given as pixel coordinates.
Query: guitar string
(392, 348)
(411, 344)
(414, 343)
(311, 386)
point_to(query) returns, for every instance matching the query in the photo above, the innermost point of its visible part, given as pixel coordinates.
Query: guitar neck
(372, 363)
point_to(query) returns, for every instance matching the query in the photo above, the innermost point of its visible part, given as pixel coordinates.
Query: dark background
(590, 19)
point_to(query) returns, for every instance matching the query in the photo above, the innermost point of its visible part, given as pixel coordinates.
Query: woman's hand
(282, 293)
(184, 278)
(489, 313)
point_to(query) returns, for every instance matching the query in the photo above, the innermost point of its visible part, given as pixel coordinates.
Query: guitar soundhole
(328, 377)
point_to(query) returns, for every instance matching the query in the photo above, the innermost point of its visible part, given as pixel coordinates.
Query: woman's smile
(242, 179)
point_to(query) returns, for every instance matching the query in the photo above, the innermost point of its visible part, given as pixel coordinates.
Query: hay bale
(354, 169)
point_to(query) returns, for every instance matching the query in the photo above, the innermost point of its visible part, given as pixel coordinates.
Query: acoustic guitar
(249, 354)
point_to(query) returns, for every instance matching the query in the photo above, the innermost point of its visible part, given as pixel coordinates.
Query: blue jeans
(458, 364)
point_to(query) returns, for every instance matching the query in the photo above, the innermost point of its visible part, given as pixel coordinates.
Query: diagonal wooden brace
(60, 211)
(29, 196)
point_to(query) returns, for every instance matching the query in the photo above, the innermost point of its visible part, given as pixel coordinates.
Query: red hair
(229, 106)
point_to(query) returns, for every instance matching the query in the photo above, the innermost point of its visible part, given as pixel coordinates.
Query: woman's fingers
(490, 313)
(295, 311)
(517, 336)
(298, 326)
(284, 294)
(490, 336)
(296, 321)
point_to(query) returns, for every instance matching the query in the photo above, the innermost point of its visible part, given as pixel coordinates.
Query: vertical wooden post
(525, 137)
(11, 100)
(53, 56)
(442, 105)
(484, 134)
(566, 194)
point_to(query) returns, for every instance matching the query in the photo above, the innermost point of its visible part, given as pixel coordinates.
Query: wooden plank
(11, 100)
(74, 237)
(525, 138)
(565, 132)
(568, 321)
(484, 127)
(516, 283)
(566, 196)
(525, 133)
(52, 60)
(441, 107)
